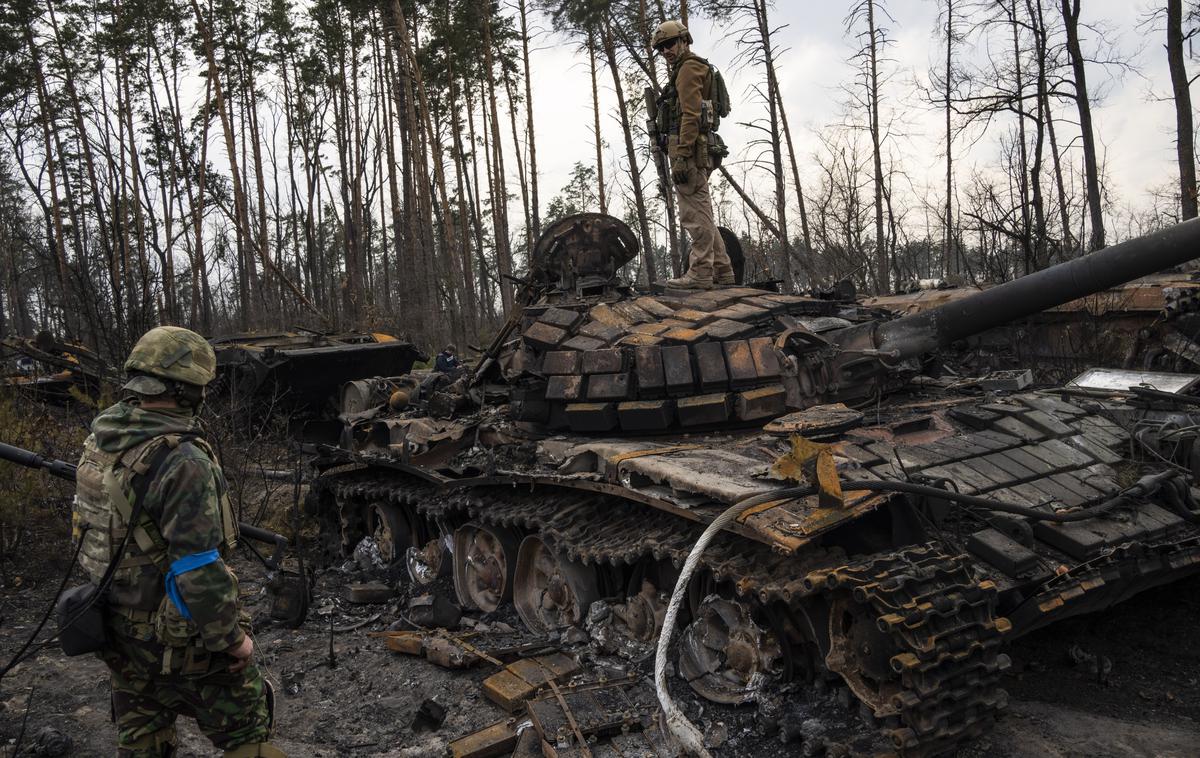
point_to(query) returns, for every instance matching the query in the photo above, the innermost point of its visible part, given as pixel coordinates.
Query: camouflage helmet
(669, 31)
(170, 352)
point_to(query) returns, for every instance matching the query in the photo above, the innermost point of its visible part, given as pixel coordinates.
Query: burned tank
(873, 524)
(298, 374)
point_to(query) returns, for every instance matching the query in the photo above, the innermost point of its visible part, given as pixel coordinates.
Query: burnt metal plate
(1122, 379)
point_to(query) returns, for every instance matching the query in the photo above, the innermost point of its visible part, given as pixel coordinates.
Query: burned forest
(507, 476)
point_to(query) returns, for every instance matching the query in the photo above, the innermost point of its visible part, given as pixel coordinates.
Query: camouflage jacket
(186, 500)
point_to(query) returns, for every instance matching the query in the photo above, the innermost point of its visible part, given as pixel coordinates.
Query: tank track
(938, 618)
(946, 642)
(594, 528)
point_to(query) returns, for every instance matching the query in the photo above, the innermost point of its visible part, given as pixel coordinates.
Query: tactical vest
(104, 495)
(715, 104)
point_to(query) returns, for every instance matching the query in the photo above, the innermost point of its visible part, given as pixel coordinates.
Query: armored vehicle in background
(302, 373)
(892, 529)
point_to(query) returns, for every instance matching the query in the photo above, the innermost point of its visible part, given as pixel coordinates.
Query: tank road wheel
(725, 655)
(390, 529)
(640, 617)
(484, 557)
(552, 592)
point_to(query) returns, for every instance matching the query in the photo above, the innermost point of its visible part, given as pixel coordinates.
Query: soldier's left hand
(241, 653)
(679, 170)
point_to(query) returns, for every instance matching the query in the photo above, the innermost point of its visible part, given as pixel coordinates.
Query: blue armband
(182, 566)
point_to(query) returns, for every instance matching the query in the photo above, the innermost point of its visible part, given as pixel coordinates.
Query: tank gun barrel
(921, 333)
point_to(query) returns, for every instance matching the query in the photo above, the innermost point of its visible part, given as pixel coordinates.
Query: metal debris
(429, 716)
(434, 611)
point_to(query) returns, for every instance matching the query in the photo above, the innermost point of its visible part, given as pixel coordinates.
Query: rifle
(289, 590)
(658, 142)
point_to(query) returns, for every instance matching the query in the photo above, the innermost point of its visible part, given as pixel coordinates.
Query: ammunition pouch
(710, 121)
(80, 614)
(716, 150)
(171, 629)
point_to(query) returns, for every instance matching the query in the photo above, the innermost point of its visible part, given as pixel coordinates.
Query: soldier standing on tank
(687, 105)
(178, 642)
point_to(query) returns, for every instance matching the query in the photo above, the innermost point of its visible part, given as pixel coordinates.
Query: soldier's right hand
(241, 653)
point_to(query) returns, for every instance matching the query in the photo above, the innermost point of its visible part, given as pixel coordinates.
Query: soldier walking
(178, 642)
(692, 105)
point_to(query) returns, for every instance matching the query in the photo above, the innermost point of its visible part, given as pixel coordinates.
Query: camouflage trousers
(231, 708)
(708, 257)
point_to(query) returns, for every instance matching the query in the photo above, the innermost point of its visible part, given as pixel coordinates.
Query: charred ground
(1124, 682)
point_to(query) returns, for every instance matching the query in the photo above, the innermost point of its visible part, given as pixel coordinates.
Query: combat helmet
(172, 353)
(669, 31)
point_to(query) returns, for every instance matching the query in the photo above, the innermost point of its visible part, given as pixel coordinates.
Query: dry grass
(32, 502)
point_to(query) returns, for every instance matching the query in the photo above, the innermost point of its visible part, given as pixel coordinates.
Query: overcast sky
(1134, 131)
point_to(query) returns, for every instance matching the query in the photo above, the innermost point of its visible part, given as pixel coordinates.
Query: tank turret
(594, 356)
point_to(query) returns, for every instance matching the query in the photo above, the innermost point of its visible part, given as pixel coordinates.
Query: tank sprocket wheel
(484, 558)
(551, 591)
(914, 635)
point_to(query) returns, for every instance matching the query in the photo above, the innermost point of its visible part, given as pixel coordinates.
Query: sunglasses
(662, 47)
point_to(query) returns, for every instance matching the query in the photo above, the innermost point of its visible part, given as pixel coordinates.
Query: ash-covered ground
(1121, 683)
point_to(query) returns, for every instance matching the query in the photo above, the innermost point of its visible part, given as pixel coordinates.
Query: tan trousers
(708, 257)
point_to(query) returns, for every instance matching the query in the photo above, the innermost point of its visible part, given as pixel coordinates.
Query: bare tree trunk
(485, 278)
(1022, 170)
(242, 218)
(667, 192)
(451, 239)
(512, 120)
(787, 133)
(1040, 254)
(1185, 133)
(200, 270)
(89, 162)
(530, 137)
(635, 173)
(58, 238)
(1043, 45)
(499, 189)
(773, 102)
(404, 222)
(1070, 14)
(464, 211)
(949, 254)
(882, 264)
(600, 189)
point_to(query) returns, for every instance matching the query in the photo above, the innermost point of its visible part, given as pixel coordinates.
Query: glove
(680, 171)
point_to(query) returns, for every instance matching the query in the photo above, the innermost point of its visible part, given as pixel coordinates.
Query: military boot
(160, 744)
(255, 750)
(724, 277)
(691, 281)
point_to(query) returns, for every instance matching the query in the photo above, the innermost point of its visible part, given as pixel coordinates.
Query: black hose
(1145, 486)
(1149, 393)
